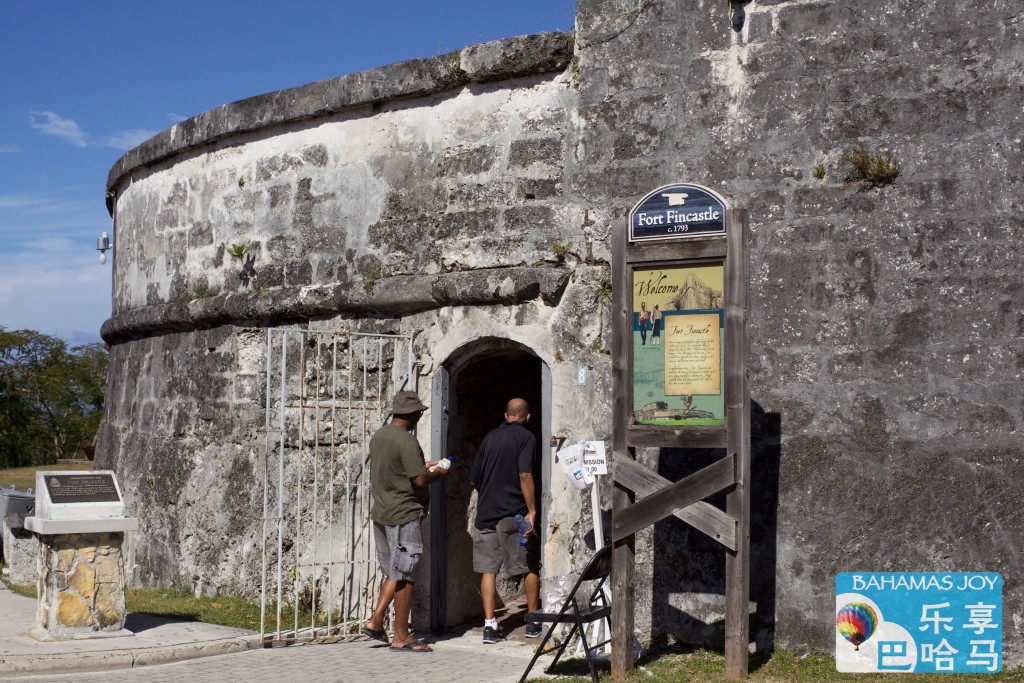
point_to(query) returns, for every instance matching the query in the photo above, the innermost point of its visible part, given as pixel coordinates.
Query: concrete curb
(80, 662)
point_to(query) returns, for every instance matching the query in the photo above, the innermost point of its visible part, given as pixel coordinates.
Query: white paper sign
(571, 460)
(594, 459)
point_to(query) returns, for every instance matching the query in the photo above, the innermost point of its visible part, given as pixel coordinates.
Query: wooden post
(624, 550)
(737, 420)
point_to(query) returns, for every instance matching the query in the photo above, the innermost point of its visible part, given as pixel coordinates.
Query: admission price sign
(680, 277)
(944, 622)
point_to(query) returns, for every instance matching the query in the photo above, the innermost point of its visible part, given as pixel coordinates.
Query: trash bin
(13, 500)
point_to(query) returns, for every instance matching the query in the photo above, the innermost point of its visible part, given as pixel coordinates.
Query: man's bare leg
(489, 594)
(403, 607)
(387, 594)
(532, 583)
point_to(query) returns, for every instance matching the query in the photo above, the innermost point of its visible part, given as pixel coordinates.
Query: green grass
(178, 603)
(24, 478)
(687, 421)
(874, 169)
(705, 666)
(28, 591)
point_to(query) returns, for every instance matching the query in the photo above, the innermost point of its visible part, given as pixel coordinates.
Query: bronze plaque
(82, 488)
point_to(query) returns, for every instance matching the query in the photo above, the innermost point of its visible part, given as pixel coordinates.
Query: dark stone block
(530, 189)
(468, 161)
(298, 273)
(525, 153)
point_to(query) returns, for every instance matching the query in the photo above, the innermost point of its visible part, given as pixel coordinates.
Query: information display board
(680, 281)
(679, 345)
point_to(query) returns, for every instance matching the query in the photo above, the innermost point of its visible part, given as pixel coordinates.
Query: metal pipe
(280, 479)
(316, 485)
(330, 511)
(371, 575)
(297, 544)
(266, 482)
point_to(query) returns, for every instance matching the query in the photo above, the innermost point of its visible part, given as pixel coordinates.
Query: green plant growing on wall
(453, 62)
(875, 169)
(819, 170)
(560, 250)
(372, 279)
(605, 292)
(241, 252)
(574, 69)
(198, 292)
(241, 182)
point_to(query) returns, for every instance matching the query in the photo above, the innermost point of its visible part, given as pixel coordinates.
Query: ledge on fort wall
(480, 63)
(397, 295)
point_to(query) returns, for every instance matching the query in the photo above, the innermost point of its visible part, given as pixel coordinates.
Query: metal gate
(326, 393)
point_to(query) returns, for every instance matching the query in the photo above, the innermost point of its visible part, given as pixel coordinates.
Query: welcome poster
(679, 345)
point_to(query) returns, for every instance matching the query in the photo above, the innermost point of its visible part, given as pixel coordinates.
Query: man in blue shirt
(503, 476)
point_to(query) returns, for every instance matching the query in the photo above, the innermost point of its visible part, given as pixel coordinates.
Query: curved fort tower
(286, 262)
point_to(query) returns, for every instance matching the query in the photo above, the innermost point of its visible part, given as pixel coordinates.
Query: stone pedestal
(81, 584)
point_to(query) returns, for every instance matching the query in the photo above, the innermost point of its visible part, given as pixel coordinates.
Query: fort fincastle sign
(677, 212)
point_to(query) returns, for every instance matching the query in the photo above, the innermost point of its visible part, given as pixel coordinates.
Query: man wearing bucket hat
(399, 481)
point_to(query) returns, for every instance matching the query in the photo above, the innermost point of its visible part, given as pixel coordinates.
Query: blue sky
(83, 81)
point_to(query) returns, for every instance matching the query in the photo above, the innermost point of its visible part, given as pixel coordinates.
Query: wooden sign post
(680, 289)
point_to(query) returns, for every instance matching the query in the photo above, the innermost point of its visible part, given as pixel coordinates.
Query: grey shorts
(500, 545)
(399, 548)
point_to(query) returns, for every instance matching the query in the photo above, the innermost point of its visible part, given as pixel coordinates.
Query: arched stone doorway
(471, 389)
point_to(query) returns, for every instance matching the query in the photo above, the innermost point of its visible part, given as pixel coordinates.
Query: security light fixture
(102, 244)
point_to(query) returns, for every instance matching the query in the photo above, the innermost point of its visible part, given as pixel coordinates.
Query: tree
(51, 397)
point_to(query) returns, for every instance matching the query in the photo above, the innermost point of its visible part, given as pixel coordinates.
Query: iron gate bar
(358, 571)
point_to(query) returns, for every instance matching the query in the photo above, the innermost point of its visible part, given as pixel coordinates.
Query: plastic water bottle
(443, 464)
(524, 526)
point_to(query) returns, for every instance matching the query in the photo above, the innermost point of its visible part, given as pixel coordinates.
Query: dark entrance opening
(474, 386)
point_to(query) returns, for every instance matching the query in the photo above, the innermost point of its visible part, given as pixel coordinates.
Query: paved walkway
(169, 651)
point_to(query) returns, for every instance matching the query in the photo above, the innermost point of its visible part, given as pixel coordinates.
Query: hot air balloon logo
(856, 622)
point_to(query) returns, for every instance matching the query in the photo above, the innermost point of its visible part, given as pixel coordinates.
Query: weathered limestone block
(19, 552)
(72, 611)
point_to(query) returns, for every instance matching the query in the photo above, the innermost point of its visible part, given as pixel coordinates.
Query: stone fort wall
(439, 197)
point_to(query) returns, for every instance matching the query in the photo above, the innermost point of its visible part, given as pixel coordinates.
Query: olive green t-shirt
(396, 457)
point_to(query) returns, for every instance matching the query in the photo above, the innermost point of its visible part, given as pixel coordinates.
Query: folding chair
(597, 607)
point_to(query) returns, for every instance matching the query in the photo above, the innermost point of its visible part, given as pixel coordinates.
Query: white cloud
(48, 123)
(25, 218)
(10, 149)
(16, 201)
(48, 245)
(128, 139)
(55, 125)
(56, 289)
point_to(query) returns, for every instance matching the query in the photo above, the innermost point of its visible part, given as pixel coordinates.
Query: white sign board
(594, 459)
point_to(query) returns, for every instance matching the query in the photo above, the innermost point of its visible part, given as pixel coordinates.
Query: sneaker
(534, 631)
(493, 635)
